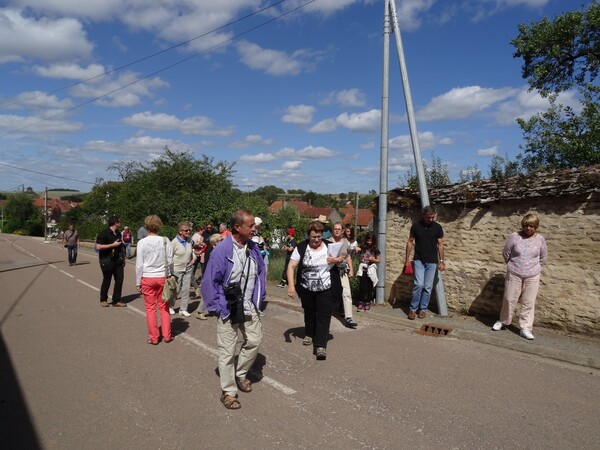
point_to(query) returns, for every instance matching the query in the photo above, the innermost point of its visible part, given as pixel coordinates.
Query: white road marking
(210, 350)
(67, 273)
(89, 285)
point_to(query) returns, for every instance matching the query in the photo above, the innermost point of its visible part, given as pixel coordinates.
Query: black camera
(235, 302)
(233, 292)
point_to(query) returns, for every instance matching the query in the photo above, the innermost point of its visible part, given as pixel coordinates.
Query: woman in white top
(349, 235)
(317, 284)
(150, 274)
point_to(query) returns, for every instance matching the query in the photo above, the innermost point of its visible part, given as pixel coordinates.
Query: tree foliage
(21, 216)
(436, 176)
(269, 193)
(502, 167)
(470, 174)
(176, 187)
(557, 56)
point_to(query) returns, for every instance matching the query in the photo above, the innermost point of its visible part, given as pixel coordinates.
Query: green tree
(176, 187)
(557, 56)
(269, 193)
(502, 167)
(435, 176)
(470, 174)
(310, 197)
(21, 216)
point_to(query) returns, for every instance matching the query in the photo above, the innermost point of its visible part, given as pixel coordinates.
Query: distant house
(298, 205)
(364, 219)
(56, 208)
(345, 215)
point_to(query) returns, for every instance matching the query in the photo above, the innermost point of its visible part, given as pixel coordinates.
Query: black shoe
(321, 354)
(351, 323)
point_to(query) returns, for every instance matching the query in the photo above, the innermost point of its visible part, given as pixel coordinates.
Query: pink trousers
(152, 289)
(525, 289)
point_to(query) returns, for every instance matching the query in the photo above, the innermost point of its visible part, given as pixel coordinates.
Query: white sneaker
(171, 311)
(201, 316)
(527, 334)
(184, 313)
(497, 326)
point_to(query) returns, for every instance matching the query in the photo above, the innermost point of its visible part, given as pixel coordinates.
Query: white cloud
(46, 39)
(366, 121)
(258, 158)
(526, 104)
(70, 71)
(367, 145)
(38, 100)
(196, 125)
(33, 124)
(460, 103)
(482, 10)
(311, 152)
(298, 114)
(273, 62)
(251, 139)
(126, 90)
(134, 148)
(410, 11)
(290, 155)
(347, 98)
(291, 164)
(324, 126)
(90, 9)
(488, 151)
(427, 141)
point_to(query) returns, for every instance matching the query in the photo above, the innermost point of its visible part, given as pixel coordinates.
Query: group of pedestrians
(316, 270)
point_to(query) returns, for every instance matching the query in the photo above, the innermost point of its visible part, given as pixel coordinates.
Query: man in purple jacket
(236, 260)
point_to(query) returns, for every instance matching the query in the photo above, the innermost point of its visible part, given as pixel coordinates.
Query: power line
(144, 58)
(46, 174)
(181, 61)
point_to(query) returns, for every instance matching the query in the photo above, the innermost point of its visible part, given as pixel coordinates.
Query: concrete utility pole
(390, 13)
(46, 216)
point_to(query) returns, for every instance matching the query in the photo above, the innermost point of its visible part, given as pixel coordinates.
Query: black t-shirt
(426, 241)
(105, 237)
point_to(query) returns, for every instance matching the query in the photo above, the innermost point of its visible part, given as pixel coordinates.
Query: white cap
(257, 221)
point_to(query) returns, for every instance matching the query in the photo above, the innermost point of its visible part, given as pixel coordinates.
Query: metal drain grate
(429, 329)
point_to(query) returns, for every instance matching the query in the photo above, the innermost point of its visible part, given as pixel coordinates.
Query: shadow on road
(18, 429)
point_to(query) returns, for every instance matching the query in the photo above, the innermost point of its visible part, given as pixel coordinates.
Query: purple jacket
(217, 274)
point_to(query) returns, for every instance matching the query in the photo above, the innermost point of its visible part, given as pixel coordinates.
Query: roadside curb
(528, 347)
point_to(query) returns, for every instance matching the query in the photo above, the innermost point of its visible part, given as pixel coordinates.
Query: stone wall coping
(580, 182)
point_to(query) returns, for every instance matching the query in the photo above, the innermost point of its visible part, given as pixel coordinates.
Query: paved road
(78, 376)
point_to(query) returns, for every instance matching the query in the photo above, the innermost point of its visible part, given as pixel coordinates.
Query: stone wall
(478, 217)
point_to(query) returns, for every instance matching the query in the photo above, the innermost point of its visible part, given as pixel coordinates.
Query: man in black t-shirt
(427, 237)
(111, 254)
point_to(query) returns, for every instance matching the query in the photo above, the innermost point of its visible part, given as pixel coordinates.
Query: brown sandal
(244, 385)
(230, 401)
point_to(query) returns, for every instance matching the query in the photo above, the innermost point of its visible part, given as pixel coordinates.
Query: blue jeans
(72, 253)
(423, 283)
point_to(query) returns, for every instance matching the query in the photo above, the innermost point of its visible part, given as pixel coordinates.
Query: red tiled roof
(63, 205)
(365, 217)
(277, 205)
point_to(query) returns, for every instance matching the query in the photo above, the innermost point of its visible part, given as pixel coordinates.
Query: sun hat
(322, 218)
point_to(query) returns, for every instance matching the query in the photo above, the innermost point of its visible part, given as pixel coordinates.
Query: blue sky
(295, 102)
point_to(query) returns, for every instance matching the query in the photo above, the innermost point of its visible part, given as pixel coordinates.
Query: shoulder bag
(170, 288)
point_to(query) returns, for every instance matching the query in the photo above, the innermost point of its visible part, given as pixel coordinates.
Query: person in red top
(127, 237)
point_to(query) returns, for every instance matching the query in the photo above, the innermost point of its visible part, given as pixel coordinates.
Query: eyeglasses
(316, 237)
(186, 231)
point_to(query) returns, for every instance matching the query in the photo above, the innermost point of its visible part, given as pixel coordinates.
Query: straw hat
(322, 218)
